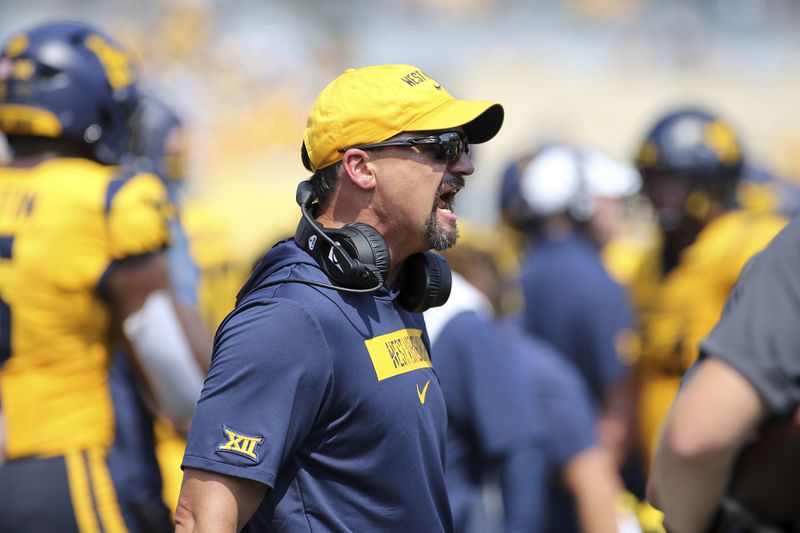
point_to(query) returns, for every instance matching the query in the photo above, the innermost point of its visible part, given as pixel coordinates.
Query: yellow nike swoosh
(424, 392)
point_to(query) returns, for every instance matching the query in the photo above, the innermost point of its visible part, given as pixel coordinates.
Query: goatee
(442, 236)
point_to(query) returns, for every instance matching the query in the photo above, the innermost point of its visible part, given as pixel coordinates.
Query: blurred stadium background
(245, 72)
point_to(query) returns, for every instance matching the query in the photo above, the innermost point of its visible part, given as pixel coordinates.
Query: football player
(81, 263)
(144, 481)
(205, 276)
(691, 161)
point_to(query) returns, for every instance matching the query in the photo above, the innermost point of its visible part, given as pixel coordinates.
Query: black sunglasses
(448, 145)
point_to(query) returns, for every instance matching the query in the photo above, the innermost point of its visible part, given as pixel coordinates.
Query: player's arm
(713, 417)
(586, 467)
(170, 345)
(591, 478)
(212, 503)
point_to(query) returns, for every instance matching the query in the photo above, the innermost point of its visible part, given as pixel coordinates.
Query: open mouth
(446, 198)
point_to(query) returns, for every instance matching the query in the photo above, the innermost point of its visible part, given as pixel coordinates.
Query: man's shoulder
(268, 333)
(283, 267)
(277, 294)
(552, 370)
(787, 240)
(261, 309)
(536, 356)
(466, 326)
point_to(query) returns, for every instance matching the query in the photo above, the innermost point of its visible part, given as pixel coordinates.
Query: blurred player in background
(156, 145)
(691, 162)
(204, 268)
(82, 263)
(222, 270)
(206, 275)
(568, 204)
(494, 430)
(574, 485)
(159, 144)
(727, 459)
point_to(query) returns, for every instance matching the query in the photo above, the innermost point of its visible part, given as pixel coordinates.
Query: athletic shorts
(67, 493)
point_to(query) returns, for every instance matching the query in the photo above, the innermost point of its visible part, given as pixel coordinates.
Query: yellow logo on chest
(422, 393)
(398, 352)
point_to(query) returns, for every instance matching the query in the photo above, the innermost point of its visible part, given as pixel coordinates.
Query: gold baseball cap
(372, 104)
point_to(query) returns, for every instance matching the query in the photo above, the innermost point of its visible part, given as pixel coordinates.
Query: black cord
(319, 284)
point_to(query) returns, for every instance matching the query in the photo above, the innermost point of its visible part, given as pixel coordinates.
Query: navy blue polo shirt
(573, 303)
(493, 427)
(329, 399)
(567, 410)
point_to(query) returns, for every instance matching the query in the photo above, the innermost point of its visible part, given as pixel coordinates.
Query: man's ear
(359, 169)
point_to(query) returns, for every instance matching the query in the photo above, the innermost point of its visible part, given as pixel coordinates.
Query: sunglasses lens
(451, 145)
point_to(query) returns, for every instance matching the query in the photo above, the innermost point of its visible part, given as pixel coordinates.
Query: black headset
(356, 257)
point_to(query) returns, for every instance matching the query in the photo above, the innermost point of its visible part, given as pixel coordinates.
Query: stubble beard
(440, 236)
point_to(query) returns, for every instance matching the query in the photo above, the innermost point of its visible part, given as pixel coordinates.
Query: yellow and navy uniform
(678, 309)
(63, 224)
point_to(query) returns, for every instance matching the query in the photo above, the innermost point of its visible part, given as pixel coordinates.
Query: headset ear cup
(335, 261)
(426, 282)
(371, 249)
(355, 256)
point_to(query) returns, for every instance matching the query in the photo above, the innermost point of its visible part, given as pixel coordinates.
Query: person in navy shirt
(518, 413)
(493, 428)
(321, 410)
(583, 487)
(568, 203)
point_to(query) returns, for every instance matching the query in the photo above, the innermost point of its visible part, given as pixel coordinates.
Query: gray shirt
(759, 332)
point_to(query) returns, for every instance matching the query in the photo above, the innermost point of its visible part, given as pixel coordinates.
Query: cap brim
(480, 120)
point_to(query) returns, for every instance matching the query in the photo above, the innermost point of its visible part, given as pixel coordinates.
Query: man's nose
(463, 165)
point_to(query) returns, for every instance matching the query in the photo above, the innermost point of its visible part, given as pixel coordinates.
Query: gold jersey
(63, 223)
(679, 309)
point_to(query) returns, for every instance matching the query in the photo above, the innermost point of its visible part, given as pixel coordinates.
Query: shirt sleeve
(264, 392)
(138, 214)
(525, 481)
(571, 418)
(758, 331)
(565, 400)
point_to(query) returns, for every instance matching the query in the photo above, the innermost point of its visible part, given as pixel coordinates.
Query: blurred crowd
(243, 75)
(600, 267)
